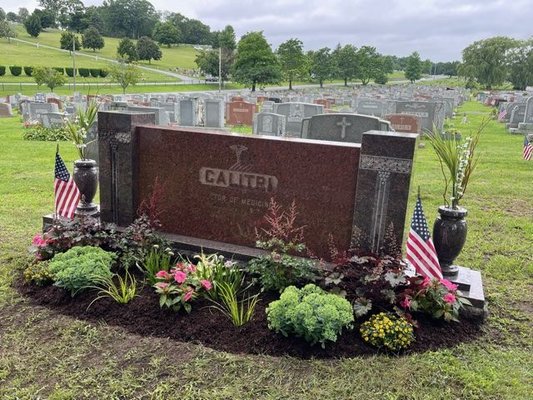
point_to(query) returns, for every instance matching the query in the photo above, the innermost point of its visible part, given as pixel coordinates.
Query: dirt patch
(203, 325)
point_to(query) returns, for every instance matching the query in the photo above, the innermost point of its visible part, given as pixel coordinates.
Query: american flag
(528, 149)
(66, 192)
(421, 252)
(502, 114)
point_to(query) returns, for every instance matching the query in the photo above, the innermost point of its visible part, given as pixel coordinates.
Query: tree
(7, 31)
(129, 18)
(67, 39)
(2, 14)
(23, 14)
(33, 25)
(255, 62)
(225, 39)
(207, 62)
(147, 49)
(322, 67)
(166, 33)
(47, 18)
(413, 70)
(485, 60)
(520, 64)
(12, 17)
(346, 61)
(91, 39)
(369, 64)
(125, 75)
(49, 77)
(291, 59)
(127, 50)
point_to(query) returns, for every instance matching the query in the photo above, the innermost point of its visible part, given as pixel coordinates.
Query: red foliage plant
(151, 206)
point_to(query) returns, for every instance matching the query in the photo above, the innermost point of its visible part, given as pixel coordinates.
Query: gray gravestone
(53, 120)
(187, 112)
(5, 110)
(271, 124)
(161, 116)
(214, 113)
(295, 113)
(343, 127)
(36, 109)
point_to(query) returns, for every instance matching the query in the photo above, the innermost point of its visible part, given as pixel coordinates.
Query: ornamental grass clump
(387, 330)
(457, 162)
(81, 267)
(310, 313)
(77, 130)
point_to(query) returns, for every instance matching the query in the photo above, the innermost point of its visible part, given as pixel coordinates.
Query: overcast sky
(437, 29)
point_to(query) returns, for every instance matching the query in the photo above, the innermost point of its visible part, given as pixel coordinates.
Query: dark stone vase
(86, 178)
(449, 236)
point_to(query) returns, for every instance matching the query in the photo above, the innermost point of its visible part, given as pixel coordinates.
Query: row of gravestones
(517, 114)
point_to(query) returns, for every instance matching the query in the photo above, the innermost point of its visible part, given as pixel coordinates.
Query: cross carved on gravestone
(344, 125)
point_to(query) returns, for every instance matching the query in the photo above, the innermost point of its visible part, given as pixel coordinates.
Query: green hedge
(2, 70)
(95, 72)
(84, 72)
(28, 71)
(15, 70)
(61, 70)
(70, 71)
(103, 73)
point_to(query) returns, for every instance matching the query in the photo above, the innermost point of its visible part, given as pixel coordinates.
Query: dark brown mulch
(209, 327)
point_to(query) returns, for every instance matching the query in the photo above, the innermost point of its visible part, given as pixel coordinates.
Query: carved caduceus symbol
(238, 149)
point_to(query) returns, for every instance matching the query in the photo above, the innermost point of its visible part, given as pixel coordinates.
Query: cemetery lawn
(44, 354)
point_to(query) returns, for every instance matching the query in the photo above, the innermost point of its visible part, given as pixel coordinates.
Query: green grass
(182, 56)
(46, 355)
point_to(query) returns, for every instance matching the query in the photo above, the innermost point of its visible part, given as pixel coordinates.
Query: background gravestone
(343, 127)
(271, 124)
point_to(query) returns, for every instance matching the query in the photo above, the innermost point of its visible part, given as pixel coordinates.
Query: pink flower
(180, 266)
(450, 286)
(449, 298)
(191, 268)
(180, 277)
(426, 282)
(187, 296)
(206, 284)
(406, 302)
(38, 241)
(163, 275)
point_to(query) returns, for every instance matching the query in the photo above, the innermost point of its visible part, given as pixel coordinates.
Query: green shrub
(387, 330)
(310, 313)
(70, 71)
(103, 73)
(39, 132)
(28, 71)
(2, 70)
(80, 267)
(15, 70)
(155, 260)
(95, 72)
(38, 272)
(61, 70)
(84, 72)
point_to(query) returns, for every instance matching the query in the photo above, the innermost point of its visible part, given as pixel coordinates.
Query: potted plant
(85, 170)
(457, 159)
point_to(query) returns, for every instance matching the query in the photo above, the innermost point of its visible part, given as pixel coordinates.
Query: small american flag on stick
(528, 149)
(421, 252)
(66, 192)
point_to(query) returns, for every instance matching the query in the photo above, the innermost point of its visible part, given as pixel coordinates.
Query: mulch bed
(143, 316)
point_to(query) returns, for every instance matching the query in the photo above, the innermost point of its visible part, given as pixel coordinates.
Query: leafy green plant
(70, 71)
(95, 72)
(122, 290)
(180, 287)
(2, 70)
(38, 272)
(311, 313)
(28, 71)
(39, 132)
(283, 239)
(387, 330)
(156, 260)
(84, 72)
(436, 297)
(80, 267)
(77, 129)
(239, 311)
(457, 162)
(221, 272)
(103, 73)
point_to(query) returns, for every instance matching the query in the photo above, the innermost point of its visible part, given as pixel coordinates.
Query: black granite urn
(86, 178)
(449, 236)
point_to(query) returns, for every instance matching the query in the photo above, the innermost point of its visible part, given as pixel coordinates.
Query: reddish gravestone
(240, 113)
(404, 122)
(323, 102)
(53, 100)
(217, 200)
(236, 98)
